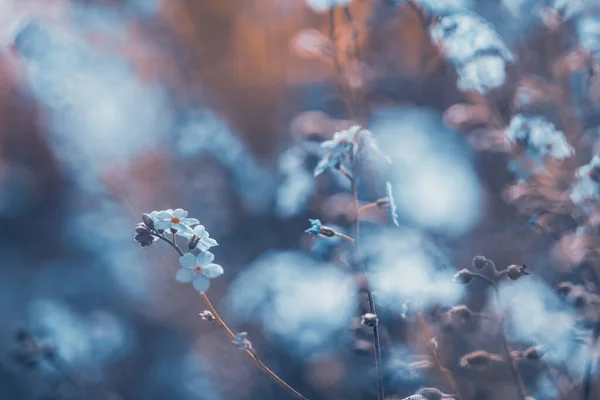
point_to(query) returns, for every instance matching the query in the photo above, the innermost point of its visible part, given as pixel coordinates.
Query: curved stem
(161, 237)
(250, 353)
(434, 353)
(370, 299)
(366, 207)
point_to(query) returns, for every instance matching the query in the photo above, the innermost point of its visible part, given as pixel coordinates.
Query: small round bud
(515, 272)
(480, 262)
(369, 320)
(193, 242)
(207, 316)
(327, 231)
(463, 276)
(533, 353)
(148, 220)
(460, 313)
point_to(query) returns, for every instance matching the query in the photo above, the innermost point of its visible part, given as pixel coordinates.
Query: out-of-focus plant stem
(505, 344)
(370, 299)
(446, 373)
(250, 353)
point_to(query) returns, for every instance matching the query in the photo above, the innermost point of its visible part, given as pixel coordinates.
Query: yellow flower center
(175, 220)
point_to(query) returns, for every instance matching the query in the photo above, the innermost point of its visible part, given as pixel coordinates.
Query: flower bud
(369, 320)
(533, 353)
(460, 313)
(480, 262)
(327, 231)
(193, 242)
(463, 276)
(143, 235)
(515, 272)
(384, 202)
(148, 220)
(207, 316)
(479, 358)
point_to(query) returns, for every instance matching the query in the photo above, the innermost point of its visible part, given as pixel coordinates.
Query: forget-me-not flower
(174, 219)
(342, 143)
(199, 270)
(315, 226)
(201, 238)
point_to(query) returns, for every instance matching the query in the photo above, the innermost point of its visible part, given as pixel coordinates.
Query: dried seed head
(460, 313)
(369, 320)
(533, 353)
(463, 276)
(480, 262)
(143, 235)
(207, 316)
(515, 272)
(479, 358)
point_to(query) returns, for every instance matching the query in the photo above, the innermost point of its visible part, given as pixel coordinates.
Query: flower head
(175, 220)
(515, 272)
(199, 270)
(343, 143)
(201, 239)
(241, 341)
(143, 235)
(315, 226)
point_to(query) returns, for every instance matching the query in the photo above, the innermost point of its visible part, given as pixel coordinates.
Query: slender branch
(162, 237)
(370, 299)
(250, 353)
(446, 373)
(505, 344)
(336, 60)
(366, 208)
(345, 237)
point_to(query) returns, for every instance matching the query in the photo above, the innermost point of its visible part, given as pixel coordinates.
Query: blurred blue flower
(315, 226)
(306, 304)
(474, 47)
(241, 341)
(342, 143)
(586, 189)
(174, 219)
(199, 270)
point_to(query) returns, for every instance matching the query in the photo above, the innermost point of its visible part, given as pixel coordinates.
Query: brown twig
(446, 373)
(250, 353)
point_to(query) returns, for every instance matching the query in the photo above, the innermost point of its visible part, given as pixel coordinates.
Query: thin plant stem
(446, 373)
(366, 208)
(370, 299)
(505, 344)
(250, 353)
(336, 60)
(345, 237)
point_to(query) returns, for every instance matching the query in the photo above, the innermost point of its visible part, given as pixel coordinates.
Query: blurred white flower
(472, 45)
(586, 189)
(306, 304)
(539, 136)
